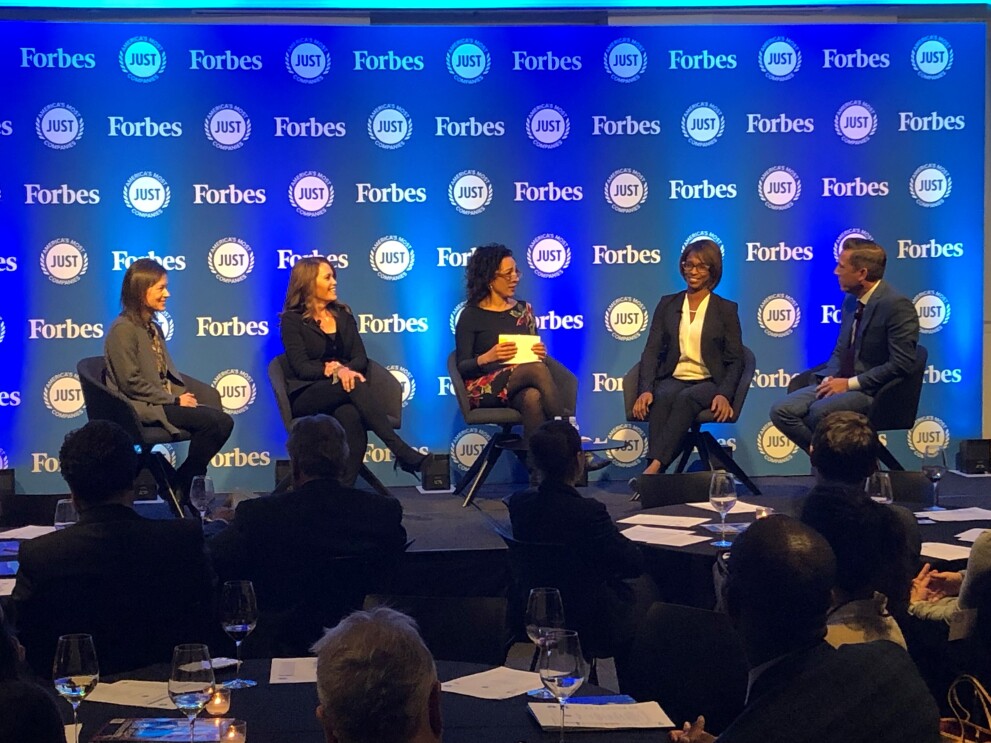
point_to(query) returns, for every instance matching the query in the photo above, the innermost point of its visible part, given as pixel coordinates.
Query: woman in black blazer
(693, 359)
(327, 358)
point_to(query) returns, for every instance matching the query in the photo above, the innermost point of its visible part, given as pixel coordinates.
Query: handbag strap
(961, 711)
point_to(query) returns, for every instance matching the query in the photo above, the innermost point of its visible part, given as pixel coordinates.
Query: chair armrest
(205, 394)
(804, 378)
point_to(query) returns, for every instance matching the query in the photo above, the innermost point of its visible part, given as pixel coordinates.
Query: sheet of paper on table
(738, 507)
(657, 519)
(150, 694)
(601, 716)
(7, 586)
(497, 683)
(524, 347)
(293, 671)
(662, 536)
(957, 514)
(970, 535)
(940, 551)
(69, 735)
(27, 532)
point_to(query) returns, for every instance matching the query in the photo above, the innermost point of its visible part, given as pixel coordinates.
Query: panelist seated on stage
(138, 586)
(376, 681)
(801, 689)
(327, 360)
(878, 334)
(693, 358)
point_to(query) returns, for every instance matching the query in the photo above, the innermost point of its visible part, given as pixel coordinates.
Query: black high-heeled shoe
(414, 467)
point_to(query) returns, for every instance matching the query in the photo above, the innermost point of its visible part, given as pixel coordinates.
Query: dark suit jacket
(722, 344)
(889, 332)
(865, 693)
(305, 343)
(138, 585)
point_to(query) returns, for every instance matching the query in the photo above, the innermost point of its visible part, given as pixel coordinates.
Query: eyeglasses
(511, 274)
(694, 267)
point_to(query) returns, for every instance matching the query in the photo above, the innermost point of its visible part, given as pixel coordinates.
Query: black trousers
(210, 428)
(676, 403)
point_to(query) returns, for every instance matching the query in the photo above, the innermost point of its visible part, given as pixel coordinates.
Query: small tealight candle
(220, 701)
(236, 732)
(764, 511)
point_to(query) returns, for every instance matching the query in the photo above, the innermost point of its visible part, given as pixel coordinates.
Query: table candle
(764, 511)
(236, 732)
(220, 702)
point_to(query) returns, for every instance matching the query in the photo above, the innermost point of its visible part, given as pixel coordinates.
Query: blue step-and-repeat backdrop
(226, 152)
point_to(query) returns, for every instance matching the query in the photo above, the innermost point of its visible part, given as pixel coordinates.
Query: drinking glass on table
(878, 488)
(65, 514)
(933, 467)
(238, 616)
(544, 612)
(201, 495)
(722, 497)
(75, 671)
(191, 681)
(562, 666)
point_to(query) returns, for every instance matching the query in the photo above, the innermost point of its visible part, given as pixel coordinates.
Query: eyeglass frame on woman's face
(509, 275)
(695, 267)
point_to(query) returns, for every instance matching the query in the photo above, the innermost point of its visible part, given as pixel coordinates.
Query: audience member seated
(287, 543)
(376, 681)
(872, 566)
(138, 586)
(802, 690)
(955, 596)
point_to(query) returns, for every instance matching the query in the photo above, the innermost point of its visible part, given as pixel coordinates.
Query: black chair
(673, 489)
(698, 440)
(505, 418)
(893, 407)
(471, 629)
(691, 662)
(387, 389)
(103, 403)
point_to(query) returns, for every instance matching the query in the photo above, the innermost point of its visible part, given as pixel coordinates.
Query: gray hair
(374, 677)
(318, 447)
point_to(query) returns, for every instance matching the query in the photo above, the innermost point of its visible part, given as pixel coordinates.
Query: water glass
(191, 682)
(238, 617)
(544, 612)
(65, 513)
(562, 666)
(722, 497)
(75, 671)
(878, 488)
(933, 467)
(201, 495)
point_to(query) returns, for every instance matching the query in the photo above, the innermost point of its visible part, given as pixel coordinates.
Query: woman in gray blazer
(140, 368)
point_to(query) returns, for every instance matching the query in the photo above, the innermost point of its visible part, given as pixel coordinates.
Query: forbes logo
(927, 433)
(377, 325)
(309, 128)
(390, 126)
(622, 127)
(550, 192)
(702, 124)
(39, 328)
(143, 127)
(388, 61)
(470, 192)
(8, 263)
(64, 261)
(237, 390)
(780, 124)
(933, 122)
(932, 57)
(625, 190)
(548, 61)
(774, 446)
(391, 194)
(123, 260)
(930, 184)
(779, 187)
(634, 445)
(855, 122)
(772, 380)
(288, 258)
(468, 61)
(227, 127)
(231, 260)
(933, 310)
(931, 249)
(467, 445)
(625, 60)
(35, 194)
(147, 194)
(63, 395)
(199, 59)
(59, 126)
(308, 61)
(142, 59)
(779, 252)
(548, 126)
(57, 60)
(406, 381)
(602, 382)
(235, 327)
(847, 234)
(203, 194)
(166, 323)
(453, 258)
(311, 193)
(704, 190)
(858, 59)
(779, 58)
(704, 61)
(779, 315)
(470, 128)
(548, 255)
(391, 257)
(624, 256)
(933, 375)
(856, 187)
(554, 321)
(626, 318)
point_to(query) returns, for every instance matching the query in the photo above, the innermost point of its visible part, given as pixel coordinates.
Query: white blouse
(690, 367)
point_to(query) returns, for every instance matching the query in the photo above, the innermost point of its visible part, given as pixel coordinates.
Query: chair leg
(491, 455)
(708, 442)
(686, 452)
(368, 476)
(159, 468)
(472, 472)
(889, 461)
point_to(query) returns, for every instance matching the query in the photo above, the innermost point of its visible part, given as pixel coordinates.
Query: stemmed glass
(191, 682)
(238, 616)
(65, 514)
(201, 495)
(544, 612)
(76, 672)
(878, 488)
(562, 666)
(933, 467)
(722, 497)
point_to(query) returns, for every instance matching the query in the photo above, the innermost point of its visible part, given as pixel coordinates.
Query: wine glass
(201, 495)
(722, 497)
(65, 514)
(562, 666)
(191, 682)
(238, 616)
(878, 488)
(544, 612)
(933, 467)
(76, 672)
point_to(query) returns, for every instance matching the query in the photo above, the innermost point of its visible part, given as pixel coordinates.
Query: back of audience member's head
(778, 586)
(556, 451)
(870, 544)
(98, 462)
(28, 714)
(317, 447)
(376, 680)
(844, 447)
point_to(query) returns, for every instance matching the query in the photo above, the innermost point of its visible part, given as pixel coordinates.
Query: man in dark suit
(308, 551)
(139, 586)
(801, 690)
(878, 334)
